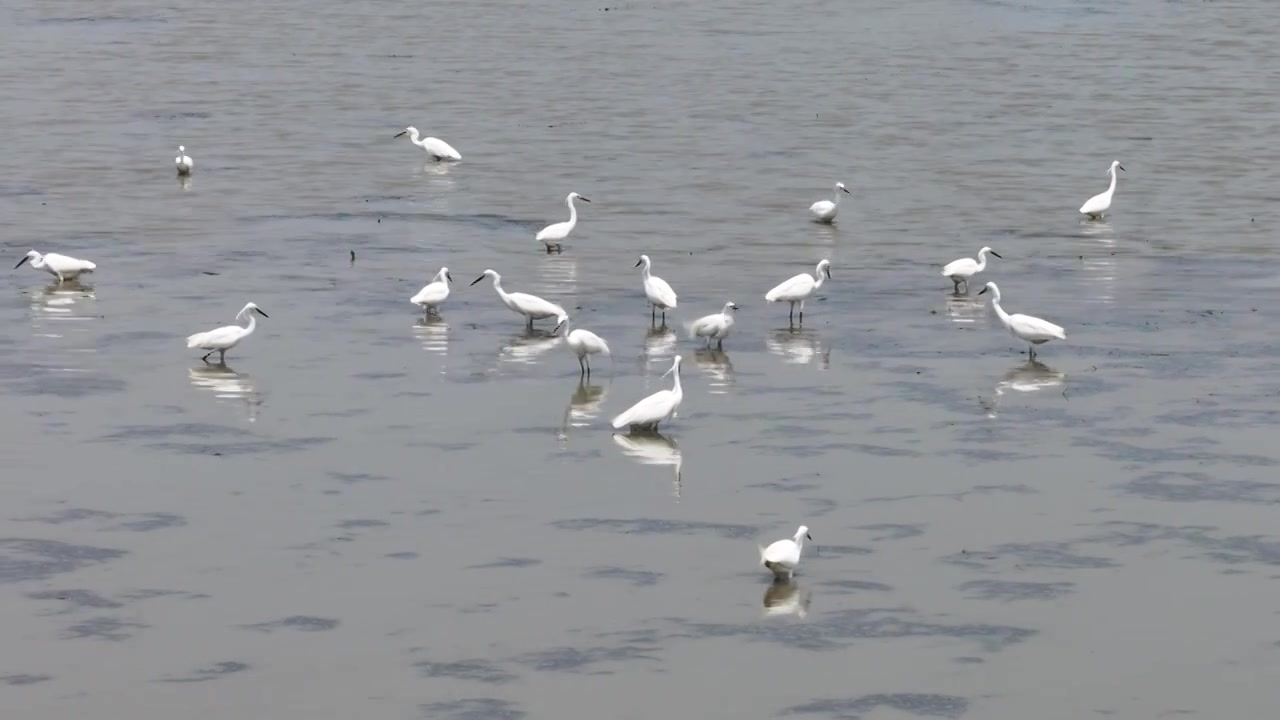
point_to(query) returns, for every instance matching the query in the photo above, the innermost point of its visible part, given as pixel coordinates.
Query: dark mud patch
(474, 670)
(637, 578)
(30, 559)
(920, 705)
(654, 526)
(301, 623)
(1010, 591)
(472, 709)
(103, 628)
(213, 672)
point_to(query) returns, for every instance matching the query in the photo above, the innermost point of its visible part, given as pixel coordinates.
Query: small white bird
(800, 288)
(782, 556)
(435, 147)
(551, 235)
(824, 211)
(714, 327)
(61, 266)
(184, 164)
(1025, 327)
(226, 337)
(657, 291)
(1095, 206)
(959, 271)
(434, 293)
(584, 344)
(531, 306)
(660, 406)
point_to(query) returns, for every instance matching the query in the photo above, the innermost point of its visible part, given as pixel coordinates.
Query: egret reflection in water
(659, 344)
(1032, 376)
(652, 448)
(965, 309)
(227, 384)
(786, 597)
(433, 333)
(798, 347)
(716, 364)
(584, 406)
(528, 346)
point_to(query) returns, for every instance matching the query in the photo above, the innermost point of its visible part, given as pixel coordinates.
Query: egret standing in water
(226, 337)
(1095, 206)
(60, 266)
(435, 147)
(184, 164)
(824, 211)
(800, 288)
(531, 306)
(959, 271)
(660, 406)
(584, 344)
(783, 556)
(657, 291)
(434, 293)
(551, 235)
(1033, 330)
(714, 327)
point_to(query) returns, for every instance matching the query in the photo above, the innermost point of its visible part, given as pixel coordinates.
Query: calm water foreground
(370, 516)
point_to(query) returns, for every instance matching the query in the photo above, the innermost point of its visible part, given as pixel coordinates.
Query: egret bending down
(783, 556)
(959, 271)
(584, 344)
(551, 235)
(434, 293)
(714, 327)
(531, 306)
(662, 405)
(226, 337)
(800, 288)
(1033, 330)
(824, 211)
(60, 266)
(1095, 206)
(184, 164)
(435, 147)
(657, 291)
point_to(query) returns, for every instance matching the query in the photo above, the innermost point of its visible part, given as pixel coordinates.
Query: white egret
(782, 556)
(1033, 330)
(531, 306)
(824, 211)
(800, 288)
(61, 266)
(226, 337)
(184, 164)
(584, 344)
(551, 235)
(714, 327)
(660, 406)
(1095, 206)
(435, 147)
(959, 271)
(434, 293)
(657, 291)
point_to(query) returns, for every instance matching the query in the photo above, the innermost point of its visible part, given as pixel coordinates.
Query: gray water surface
(368, 515)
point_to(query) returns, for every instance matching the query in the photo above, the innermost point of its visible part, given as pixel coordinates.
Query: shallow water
(370, 515)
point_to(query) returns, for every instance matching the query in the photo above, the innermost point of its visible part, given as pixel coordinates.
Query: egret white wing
(431, 294)
(1097, 203)
(534, 305)
(1037, 327)
(218, 338)
(662, 291)
(440, 148)
(963, 267)
(654, 407)
(797, 285)
(553, 232)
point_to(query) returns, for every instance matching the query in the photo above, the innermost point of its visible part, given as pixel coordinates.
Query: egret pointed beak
(809, 536)
(473, 282)
(983, 291)
(1121, 167)
(846, 190)
(402, 132)
(733, 306)
(638, 263)
(450, 277)
(828, 271)
(993, 252)
(559, 325)
(20, 262)
(583, 199)
(259, 311)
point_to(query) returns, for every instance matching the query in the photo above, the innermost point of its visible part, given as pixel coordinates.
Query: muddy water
(365, 514)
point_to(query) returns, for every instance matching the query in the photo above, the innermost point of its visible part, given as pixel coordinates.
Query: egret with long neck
(552, 235)
(1097, 205)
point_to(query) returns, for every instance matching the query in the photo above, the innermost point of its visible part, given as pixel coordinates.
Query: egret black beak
(20, 262)
(450, 277)
(828, 271)
(402, 132)
(638, 262)
(983, 291)
(993, 252)
(733, 306)
(846, 190)
(259, 311)
(1121, 167)
(583, 199)
(809, 536)
(473, 282)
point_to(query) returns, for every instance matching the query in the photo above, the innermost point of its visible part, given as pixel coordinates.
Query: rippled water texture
(373, 514)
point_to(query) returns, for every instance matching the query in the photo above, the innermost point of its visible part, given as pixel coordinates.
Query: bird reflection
(584, 406)
(67, 301)
(659, 343)
(227, 384)
(652, 448)
(184, 182)
(528, 345)
(557, 276)
(433, 332)
(716, 364)
(965, 309)
(785, 597)
(798, 347)
(1030, 377)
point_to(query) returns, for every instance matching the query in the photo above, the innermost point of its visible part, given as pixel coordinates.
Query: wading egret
(60, 266)
(662, 405)
(1024, 327)
(435, 147)
(657, 291)
(551, 235)
(714, 327)
(1095, 206)
(531, 306)
(800, 288)
(584, 344)
(184, 164)
(226, 337)
(959, 271)
(434, 293)
(782, 556)
(824, 211)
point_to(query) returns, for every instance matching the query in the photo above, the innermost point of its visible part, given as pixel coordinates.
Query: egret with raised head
(660, 406)
(656, 291)
(226, 337)
(434, 293)
(824, 211)
(1033, 330)
(959, 271)
(1095, 206)
(552, 235)
(800, 288)
(782, 556)
(184, 164)
(714, 327)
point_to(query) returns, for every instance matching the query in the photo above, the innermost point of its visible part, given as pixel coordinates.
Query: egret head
(576, 196)
(31, 255)
(561, 320)
(1115, 164)
(444, 274)
(803, 532)
(252, 307)
(986, 249)
(485, 274)
(411, 130)
(824, 267)
(840, 186)
(644, 260)
(995, 291)
(731, 305)
(675, 367)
